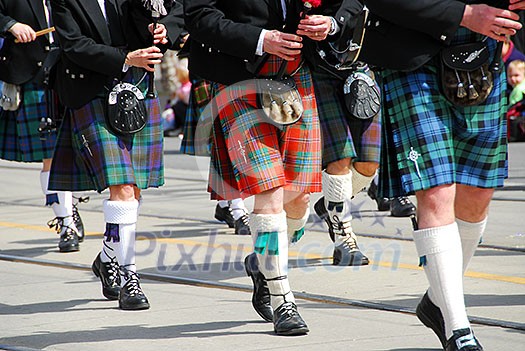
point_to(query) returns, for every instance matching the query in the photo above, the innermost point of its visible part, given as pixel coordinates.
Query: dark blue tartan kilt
(344, 136)
(199, 119)
(428, 142)
(20, 140)
(90, 157)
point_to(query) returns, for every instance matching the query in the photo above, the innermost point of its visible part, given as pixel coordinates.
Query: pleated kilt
(90, 157)
(431, 142)
(249, 155)
(20, 139)
(344, 136)
(198, 125)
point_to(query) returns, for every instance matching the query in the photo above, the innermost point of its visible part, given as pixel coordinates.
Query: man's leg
(120, 214)
(62, 204)
(340, 181)
(438, 244)
(269, 232)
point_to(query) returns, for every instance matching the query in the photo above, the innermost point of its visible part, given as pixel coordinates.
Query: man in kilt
(26, 61)
(350, 144)
(452, 157)
(232, 212)
(278, 165)
(104, 42)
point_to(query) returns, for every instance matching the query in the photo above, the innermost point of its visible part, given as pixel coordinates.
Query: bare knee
(367, 169)
(123, 192)
(296, 204)
(339, 167)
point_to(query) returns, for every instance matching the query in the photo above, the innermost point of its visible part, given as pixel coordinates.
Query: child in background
(516, 79)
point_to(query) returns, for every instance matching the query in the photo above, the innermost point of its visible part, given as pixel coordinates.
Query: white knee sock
(271, 246)
(470, 234)
(223, 203)
(296, 227)
(337, 191)
(60, 201)
(238, 209)
(359, 181)
(440, 251)
(119, 238)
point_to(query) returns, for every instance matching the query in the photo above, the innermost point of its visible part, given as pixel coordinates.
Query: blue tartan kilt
(343, 135)
(428, 142)
(20, 140)
(89, 156)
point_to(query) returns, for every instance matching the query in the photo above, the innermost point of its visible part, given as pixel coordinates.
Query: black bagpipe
(157, 9)
(49, 123)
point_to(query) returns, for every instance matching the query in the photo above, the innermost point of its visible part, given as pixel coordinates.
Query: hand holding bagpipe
(144, 58)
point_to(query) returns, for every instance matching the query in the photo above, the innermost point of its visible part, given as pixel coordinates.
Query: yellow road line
(292, 253)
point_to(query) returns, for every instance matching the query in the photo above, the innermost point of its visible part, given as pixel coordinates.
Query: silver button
(377, 24)
(443, 37)
(341, 19)
(67, 71)
(39, 63)
(73, 76)
(81, 76)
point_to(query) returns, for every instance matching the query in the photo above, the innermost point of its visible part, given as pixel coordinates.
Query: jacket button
(39, 63)
(443, 37)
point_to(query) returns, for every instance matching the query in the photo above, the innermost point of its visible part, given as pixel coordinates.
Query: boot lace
(132, 282)
(344, 230)
(80, 200)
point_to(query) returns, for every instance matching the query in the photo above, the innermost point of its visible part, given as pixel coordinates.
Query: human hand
(160, 33)
(22, 33)
(283, 45)
(144, 58)
(315, 27)
(516, 5)
(491, 21)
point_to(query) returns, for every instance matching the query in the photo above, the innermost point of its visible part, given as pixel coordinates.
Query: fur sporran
(279, 98)
(466, 79)
(126, 111)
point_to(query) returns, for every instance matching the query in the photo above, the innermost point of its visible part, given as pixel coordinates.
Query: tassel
(287, 111)
(484, 80)
(472, 93)
(422, 261)
(297, 235)
(275, 111)
(461, 88)
(52, 199)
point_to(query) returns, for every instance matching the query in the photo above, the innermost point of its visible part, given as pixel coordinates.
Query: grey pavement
(200, 297)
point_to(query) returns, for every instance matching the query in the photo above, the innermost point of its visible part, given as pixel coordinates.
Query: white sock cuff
(237, 204)
(360, 181)
(44, 181)
(337, 188)
(437, 239)
(223, 203)
(469, 230)
(120, 212)
(295, 224)
(268, 222)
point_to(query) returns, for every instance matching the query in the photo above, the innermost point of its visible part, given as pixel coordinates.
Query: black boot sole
(137, 307)
(73, 248)
(292, 332)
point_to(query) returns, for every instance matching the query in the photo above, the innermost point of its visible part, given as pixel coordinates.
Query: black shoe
(68, 236)
(76, 217)
(383, 203)
(224, 214)
(347, 253)
(463, 340)
(109, 277)
(261, 294)
(430, 315)
(402, 207)
(131, 296)
(287, 321)
(242, 225)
